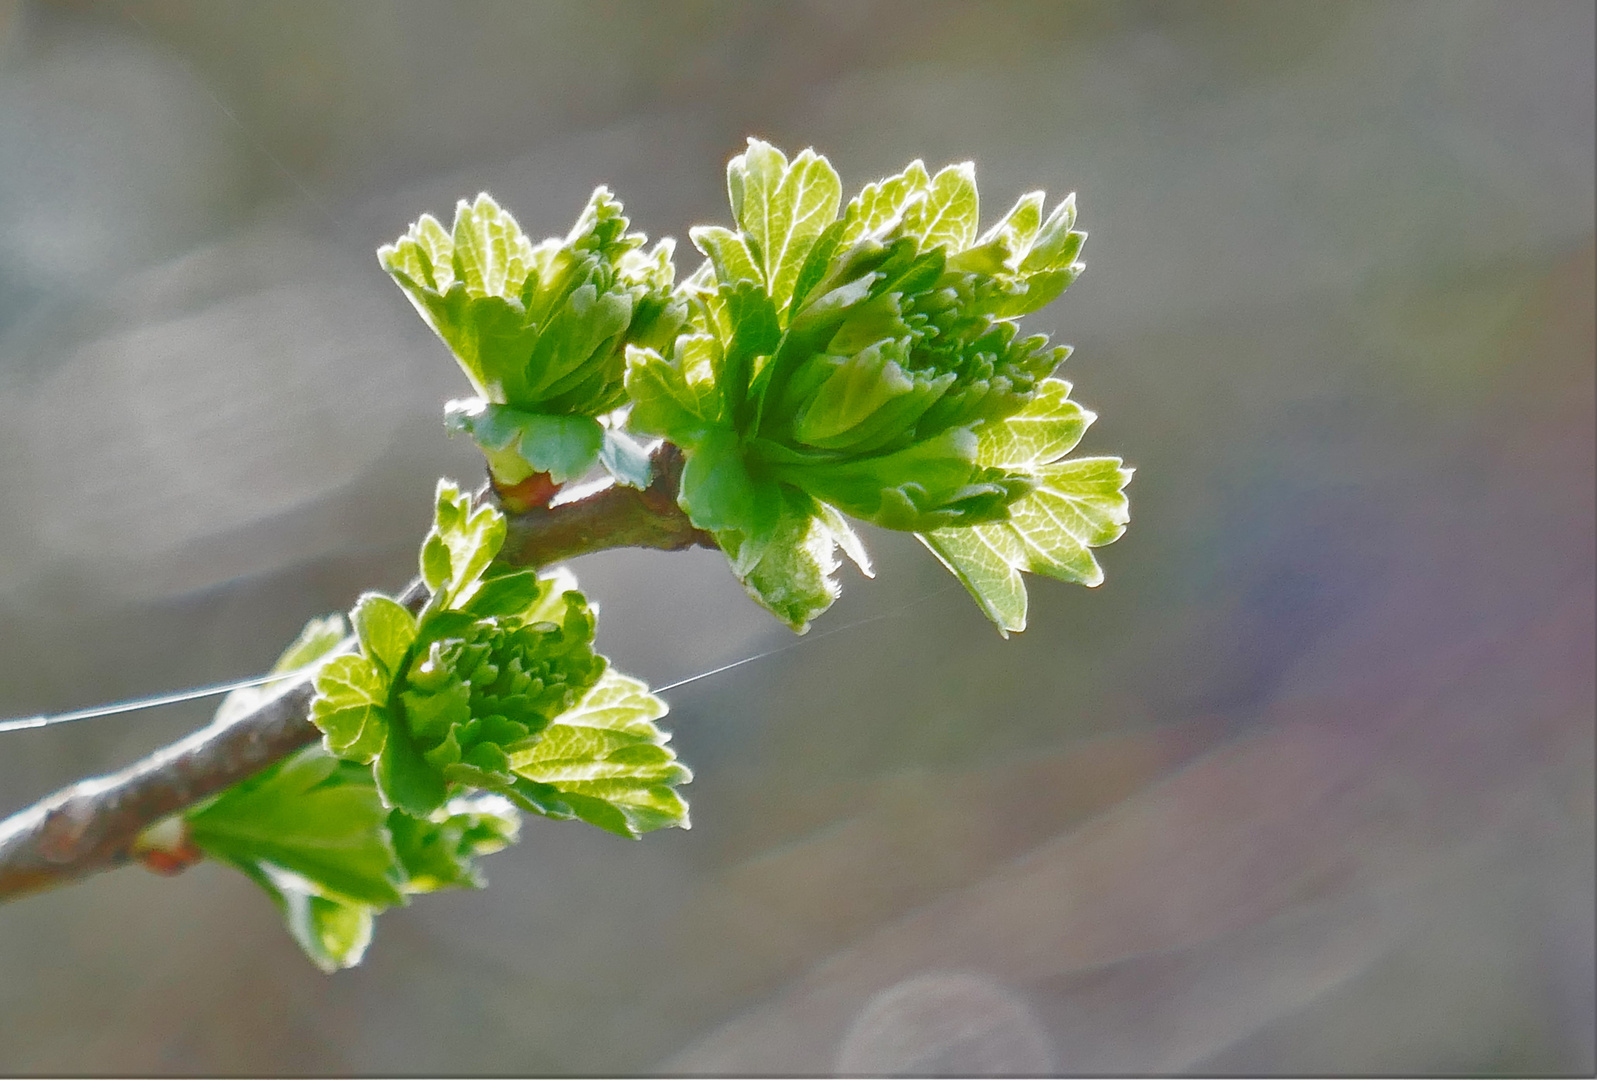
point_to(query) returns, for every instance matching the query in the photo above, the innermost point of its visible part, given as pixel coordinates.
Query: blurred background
(1306, 787)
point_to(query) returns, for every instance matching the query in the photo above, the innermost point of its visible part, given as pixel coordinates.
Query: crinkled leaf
(984, 569)
(551, 604)
(675, 401)
(606, 762)
(579, 348)
(437, 566)
(377, 856)
(1056, 245)
(434, 714)
(468, 283)
(385, 629)
(1083, 500)
(863, 385)
(311, 832)
(719, 493)
(1032, 260)
(783, 209)
(506, 590)
(817, 265)
(461, 544)
(788, 566)
(1077, 505)
(350, 708)
(728, 253)
(539, 329)
(1074, 505)
(490, 251)
(1002, 247)
(756, 331)
(480, 685)
(1044, 431)
(1030, 291)
(846, 537)
(948, 215)
(878, 206)
(918, 487)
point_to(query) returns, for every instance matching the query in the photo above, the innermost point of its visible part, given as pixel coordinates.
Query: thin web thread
(26, 723)
(29, 723)
(895, 613)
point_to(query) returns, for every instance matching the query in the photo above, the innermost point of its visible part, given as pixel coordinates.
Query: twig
(92, 825)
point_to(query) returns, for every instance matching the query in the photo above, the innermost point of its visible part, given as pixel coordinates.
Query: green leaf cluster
(437, 729)
(465, 695)
(314, 833)
(853, 360)
(540, 330)
(828, 361)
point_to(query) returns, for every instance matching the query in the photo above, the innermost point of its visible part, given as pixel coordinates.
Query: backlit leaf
(606, 762)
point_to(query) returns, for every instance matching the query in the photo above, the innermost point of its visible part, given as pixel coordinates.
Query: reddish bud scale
(535, 492)
(169, 862)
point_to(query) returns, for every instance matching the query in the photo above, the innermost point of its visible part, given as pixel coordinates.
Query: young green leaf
(441, 852)
(308, 829)
(461, 544)
(784, 209)
(606, 762)
(1075, 505)
(506, 590)
(1045, 431)
(406, 780)
(351, 708)
(679, 396)
(880, 206)
(385, 630)
(496, 655)
(948, 214)
(728, 253)
(311, 814)
(625, 459)
(982, 560)
(314, 834)
(518, 444)
(788, 567)
(332, 930)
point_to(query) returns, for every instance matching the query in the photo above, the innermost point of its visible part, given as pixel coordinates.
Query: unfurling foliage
(540, 330)
(828, 361)
(861, 360)
(435, 732)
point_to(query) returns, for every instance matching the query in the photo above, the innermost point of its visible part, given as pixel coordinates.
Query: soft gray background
(1306, 787)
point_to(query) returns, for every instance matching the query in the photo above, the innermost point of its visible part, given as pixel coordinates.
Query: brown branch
(613, 517)
(92, 825)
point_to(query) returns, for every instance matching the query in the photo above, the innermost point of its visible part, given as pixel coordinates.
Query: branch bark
(92, 825)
